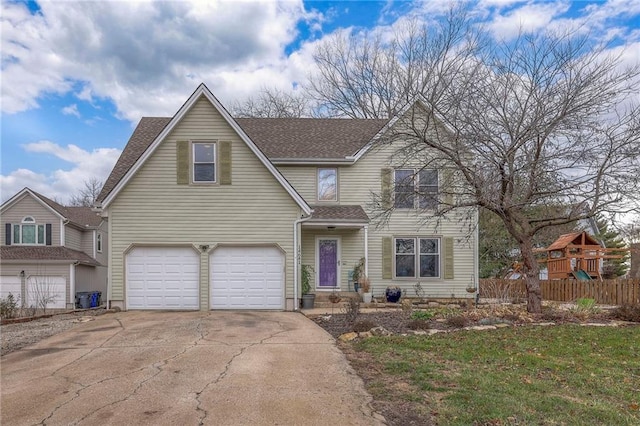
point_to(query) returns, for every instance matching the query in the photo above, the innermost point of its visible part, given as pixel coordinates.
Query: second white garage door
(162, 278)
(247, 278)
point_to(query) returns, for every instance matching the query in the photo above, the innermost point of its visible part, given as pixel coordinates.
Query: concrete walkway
(185, 368)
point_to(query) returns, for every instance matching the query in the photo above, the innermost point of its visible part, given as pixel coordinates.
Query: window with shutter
(416, 257)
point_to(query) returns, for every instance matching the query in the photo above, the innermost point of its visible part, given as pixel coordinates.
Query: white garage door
(162, 278)
(247, 278)
(44, 289)
(11, 284)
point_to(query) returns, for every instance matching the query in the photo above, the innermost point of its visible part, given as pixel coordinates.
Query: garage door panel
(47, 287)
(11, 284)
(162, 278)
(247, 278)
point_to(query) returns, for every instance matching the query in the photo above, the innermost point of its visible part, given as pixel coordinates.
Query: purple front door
(327, 263)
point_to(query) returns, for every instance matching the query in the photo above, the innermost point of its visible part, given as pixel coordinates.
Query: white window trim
(416, 188)
(416, 254)
(29, 221)
(336, 198)
(215, 162)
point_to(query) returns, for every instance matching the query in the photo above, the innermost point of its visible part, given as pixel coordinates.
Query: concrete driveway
(185, 368)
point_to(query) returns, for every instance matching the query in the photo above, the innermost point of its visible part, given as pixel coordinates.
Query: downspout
(366, 250)
(72, 282)
(296, 259)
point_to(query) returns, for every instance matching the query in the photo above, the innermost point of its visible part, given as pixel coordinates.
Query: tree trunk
(532, 280)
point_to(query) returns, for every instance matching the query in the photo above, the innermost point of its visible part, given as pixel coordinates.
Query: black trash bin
(83, 300)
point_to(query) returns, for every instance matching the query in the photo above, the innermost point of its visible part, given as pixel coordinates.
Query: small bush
(457, 321)
(627, 313)
(422, 315)
(554, 315)
(418, 324)
(362, 326)
(8, 306)
(352, 310)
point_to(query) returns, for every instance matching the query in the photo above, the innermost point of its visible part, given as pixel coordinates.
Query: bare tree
(273, 103)
(87, 195)
(534, 122)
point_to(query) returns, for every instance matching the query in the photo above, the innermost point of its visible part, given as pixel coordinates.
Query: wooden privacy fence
(606, 292)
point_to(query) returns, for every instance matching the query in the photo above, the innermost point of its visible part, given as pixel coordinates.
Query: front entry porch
(333, 242)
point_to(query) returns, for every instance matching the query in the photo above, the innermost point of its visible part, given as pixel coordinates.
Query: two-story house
(210, 212)
(50, 251)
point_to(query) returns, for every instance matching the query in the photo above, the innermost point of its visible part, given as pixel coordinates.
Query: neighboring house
(50, 251)
(209, 212)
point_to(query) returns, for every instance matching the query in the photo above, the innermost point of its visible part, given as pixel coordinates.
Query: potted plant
(365, 284)
(308, 299)
(393, 294)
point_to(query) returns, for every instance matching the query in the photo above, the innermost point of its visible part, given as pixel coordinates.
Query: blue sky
(77, 76)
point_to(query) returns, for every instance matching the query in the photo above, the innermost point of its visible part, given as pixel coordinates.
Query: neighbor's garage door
(162, 278)
(11, 284)
(247, 278)
(47, 291)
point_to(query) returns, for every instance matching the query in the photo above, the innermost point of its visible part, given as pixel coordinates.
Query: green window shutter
(447, 186)
(386, 191)
(182, 163)
(447, 250)
(387, 258)
(224, 163)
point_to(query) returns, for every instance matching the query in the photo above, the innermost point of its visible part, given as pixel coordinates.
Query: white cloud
(71, 110)
(144, 56)
(62, 183)
(528, 18)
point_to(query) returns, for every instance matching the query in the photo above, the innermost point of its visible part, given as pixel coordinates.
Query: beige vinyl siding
(356, 184)
(73, 238)
(152, 209)
(28, 206)
(303, 179)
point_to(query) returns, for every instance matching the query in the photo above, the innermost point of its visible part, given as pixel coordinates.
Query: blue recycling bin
(95, 299)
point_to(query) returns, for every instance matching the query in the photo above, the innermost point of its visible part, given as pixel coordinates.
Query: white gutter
(366, 250)
(72, 283)
(296, 259)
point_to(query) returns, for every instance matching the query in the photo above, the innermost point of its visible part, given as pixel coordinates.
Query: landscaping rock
(347, 337)
(544, 324)
(365, 334)
(480, 327)
(381, 331)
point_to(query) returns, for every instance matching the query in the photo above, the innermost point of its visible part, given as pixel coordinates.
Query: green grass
(562, 375)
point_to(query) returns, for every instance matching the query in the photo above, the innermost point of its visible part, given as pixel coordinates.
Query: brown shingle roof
(82, 216)
(45, 253)
(567, 239)
(339, 214)
(310, 138)
(278, 138)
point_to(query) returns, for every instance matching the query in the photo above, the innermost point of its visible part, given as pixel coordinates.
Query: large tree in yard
(516, 127)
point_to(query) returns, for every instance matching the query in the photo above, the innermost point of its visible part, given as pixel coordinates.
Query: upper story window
(204, 161)
(416, 189)
(29, 232)
(328, 184)
(99, 242)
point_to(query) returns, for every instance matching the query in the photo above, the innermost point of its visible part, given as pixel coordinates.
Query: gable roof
(574, 238)
(338, 213)
(83, 217)
(117, 184)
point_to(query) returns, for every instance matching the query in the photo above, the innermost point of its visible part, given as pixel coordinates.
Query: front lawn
(526, 375)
